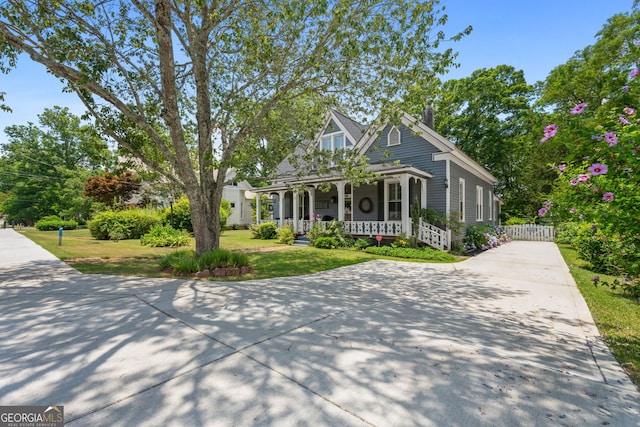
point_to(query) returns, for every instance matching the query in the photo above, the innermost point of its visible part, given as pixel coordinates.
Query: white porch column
(423, 196)
(406, 214)
(281, 195)
(258, 208)
(340, 188)
(312, 203)
(296, 205)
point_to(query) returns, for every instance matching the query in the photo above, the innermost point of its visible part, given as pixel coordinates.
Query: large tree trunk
(205, 218)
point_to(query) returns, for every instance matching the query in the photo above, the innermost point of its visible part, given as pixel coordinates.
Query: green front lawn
(617, 317)
(127, 257)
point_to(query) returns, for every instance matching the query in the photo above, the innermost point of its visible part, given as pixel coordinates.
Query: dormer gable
(338, 132)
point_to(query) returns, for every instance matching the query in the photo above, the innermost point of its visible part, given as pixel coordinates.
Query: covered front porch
(382, 207)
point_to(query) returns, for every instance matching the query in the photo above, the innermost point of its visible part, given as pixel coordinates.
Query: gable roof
(448, 150)
(351, 126)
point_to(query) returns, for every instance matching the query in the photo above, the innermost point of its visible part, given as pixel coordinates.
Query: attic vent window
(393, 138)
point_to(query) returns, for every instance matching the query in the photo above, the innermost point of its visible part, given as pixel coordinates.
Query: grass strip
(616, 316)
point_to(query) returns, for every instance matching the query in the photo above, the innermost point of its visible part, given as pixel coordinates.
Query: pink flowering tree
(599, 180)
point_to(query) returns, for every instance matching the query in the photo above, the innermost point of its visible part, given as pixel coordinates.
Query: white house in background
(239, 195)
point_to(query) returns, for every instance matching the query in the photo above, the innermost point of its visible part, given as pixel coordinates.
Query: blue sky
(531, 35)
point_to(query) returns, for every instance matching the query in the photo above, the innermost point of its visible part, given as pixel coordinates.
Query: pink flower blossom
(542, 211)
(598, 169)
(628, 111)
(574, 182)
(608, 196)
(562, 167)
(581, 216)
(634, 73)
(611, 138)
(624, 120)
(583, 177)
(573, 210)
(579, 109)
(549, 132)
(625, 89)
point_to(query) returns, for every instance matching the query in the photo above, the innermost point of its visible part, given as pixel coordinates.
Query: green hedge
(50, 223)
(121, 225)
(411, 253)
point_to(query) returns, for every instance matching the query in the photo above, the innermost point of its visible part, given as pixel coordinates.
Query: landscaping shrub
(185, 261)
(286, 234)
(514, 220)
(597, 248)
(411, 253)
(325, 243)
(332, 230)
(182, 214)
(169, 260)
(52, 222)
(363, 243)
(567, 232)
(264, 231)
(239, 259)
(165, 236)
(484, 237)
(120, 225)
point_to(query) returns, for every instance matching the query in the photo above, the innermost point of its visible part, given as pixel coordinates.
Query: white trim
(395, 130)
(466, 163)
(387, 182)
(490, 205)
(462, 184)
(479, 203)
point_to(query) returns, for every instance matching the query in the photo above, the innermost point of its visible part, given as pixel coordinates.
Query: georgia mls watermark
(31, 416)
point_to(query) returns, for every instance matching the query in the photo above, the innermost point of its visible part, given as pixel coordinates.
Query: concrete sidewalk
(503, 339)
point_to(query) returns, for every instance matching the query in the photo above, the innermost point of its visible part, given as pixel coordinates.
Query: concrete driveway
(503, 339)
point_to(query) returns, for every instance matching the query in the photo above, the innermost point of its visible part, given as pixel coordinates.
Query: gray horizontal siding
(415, 151)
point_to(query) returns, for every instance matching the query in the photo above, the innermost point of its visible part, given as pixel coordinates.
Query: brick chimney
(427, 116)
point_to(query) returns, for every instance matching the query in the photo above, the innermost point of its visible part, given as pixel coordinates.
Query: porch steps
(301, 241)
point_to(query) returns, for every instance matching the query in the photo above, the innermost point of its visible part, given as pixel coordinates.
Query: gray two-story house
(411, 164)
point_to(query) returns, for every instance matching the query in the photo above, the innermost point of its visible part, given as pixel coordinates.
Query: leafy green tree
(193, 87)
(595, 72)
(41, 166)
(598, 181)
(488, 116)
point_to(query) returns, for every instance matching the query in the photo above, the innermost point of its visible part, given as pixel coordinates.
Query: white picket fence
(535, 232)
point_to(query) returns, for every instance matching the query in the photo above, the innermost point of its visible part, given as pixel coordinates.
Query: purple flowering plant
(600, 180)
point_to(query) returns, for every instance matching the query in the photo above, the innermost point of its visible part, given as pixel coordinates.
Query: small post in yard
(171, 207)
(60, 236)
(379, 239)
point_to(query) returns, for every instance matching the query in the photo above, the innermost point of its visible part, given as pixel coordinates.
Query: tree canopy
(191, 87)
(43, 167)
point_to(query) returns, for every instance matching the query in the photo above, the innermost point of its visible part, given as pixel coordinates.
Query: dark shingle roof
(354, 128)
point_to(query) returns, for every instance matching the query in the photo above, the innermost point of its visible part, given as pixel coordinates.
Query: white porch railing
(433, 236)
(360, 228)
(427, 233)
(373, 228)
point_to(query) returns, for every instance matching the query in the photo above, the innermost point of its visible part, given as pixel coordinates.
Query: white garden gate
(535, 232)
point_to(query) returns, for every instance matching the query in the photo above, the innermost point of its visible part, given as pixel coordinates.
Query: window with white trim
(461, 199)
(395, 201)
(334, 142)
(393, 137)
(479, 202)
